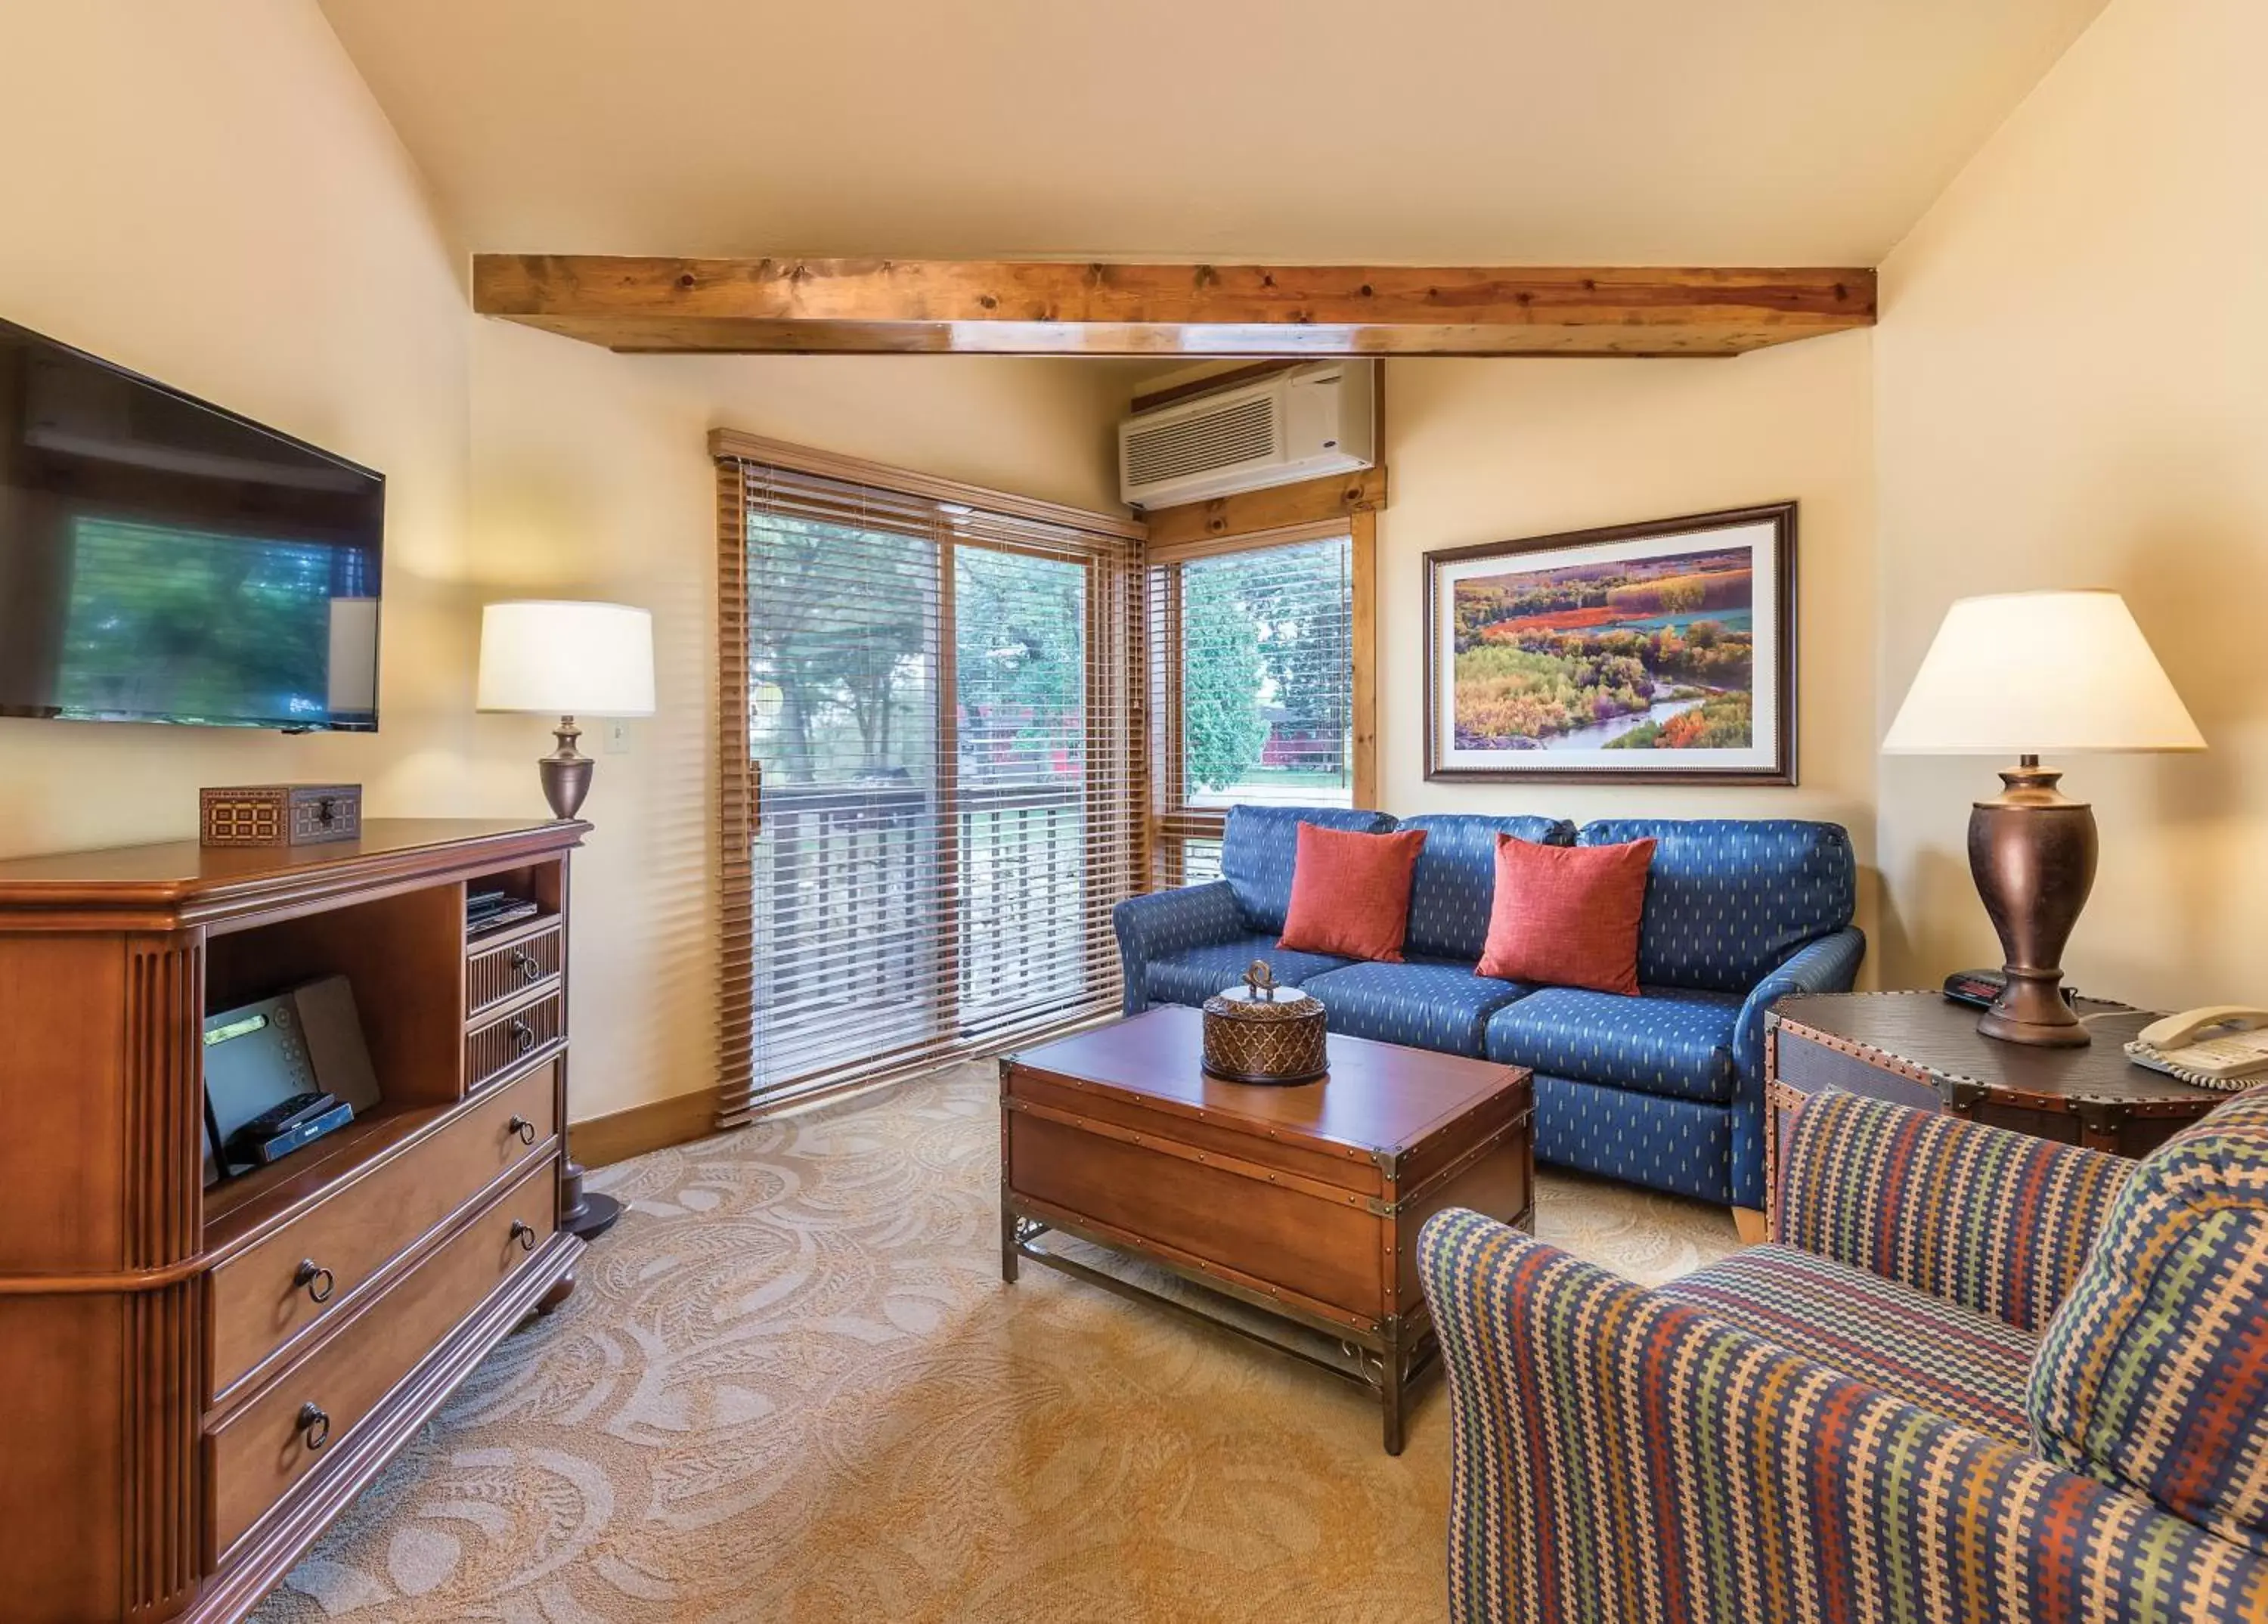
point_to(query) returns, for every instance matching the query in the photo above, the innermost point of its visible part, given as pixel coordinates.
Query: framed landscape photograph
(1660, 652)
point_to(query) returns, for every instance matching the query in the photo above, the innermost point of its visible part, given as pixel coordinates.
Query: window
(1267, 676)
(1256, 690)
(931, 801)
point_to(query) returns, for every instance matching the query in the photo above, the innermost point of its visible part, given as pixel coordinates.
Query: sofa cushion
(1567, 916)
(1425, 1004)
(1666, 1041)
(1456, 878)
(1965, 1366)
(1195, 974)
(2153, 1376)
(1351, 892)
(1258, 849)
(1728, 898)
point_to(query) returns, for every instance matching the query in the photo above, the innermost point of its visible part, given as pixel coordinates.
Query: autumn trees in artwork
(1649, 653)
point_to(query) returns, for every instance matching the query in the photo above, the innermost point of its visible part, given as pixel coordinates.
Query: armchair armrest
(1160, 922)
(1825, 965)
(1996, 1221)
(1618, 1456)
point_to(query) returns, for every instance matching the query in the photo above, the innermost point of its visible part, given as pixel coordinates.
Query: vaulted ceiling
(1740, 132)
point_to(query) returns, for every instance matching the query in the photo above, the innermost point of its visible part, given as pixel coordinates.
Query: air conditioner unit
(1303, 423)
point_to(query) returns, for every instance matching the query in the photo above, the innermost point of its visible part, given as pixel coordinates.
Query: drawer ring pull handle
(523, 1035)
(315, 1427)
(525, 1234)
(524, 962)
(316, 1281)
(522, 1129)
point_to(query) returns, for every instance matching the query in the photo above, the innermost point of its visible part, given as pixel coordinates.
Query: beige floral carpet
(791, 1386)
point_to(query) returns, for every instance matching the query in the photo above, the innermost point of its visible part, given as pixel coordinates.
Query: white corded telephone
(2234, 1056)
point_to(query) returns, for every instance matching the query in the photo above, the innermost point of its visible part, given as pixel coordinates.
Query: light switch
(618, 735)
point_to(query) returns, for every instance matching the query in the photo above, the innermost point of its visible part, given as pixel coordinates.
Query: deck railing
(888, 919)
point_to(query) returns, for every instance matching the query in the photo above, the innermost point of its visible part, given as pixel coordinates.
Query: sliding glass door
(936, 706)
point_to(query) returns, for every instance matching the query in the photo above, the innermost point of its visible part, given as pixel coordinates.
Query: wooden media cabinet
(200, 1379)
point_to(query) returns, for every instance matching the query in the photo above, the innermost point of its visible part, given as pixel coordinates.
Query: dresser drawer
(308, 1270)
(494, 976)
(501, 1044)
(256, 1454)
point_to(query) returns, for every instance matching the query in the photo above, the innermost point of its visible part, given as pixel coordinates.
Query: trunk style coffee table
(1304, 1201)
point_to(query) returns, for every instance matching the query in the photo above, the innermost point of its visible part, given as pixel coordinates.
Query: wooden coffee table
(1304, 1201)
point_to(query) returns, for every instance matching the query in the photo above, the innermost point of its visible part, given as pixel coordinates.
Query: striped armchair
(1976, 1377)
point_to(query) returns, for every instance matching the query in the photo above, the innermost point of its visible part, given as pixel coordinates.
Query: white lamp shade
(567, 659)
(2040, 672)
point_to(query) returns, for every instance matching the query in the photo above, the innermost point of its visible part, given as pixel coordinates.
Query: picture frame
(1657, 653)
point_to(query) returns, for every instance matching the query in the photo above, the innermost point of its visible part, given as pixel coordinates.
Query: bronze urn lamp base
(2032, 852)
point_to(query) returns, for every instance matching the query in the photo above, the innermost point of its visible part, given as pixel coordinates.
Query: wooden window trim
(732, 444)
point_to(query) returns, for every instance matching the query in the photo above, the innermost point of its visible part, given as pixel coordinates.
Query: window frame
(1251, 524)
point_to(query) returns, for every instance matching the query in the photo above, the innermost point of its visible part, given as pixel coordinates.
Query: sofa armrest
(1614, 1454)
(1996, 1221)
(1162, 922)
(1825, 965)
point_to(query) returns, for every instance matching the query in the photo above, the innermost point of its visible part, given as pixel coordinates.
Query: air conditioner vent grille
(1203, 442)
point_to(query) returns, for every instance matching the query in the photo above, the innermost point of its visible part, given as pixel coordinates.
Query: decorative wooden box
(1262, 1033)
(280, 815)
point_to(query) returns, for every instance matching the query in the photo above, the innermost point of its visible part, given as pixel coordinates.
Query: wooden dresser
(199, 1379)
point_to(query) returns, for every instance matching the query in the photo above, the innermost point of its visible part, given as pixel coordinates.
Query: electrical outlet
(617, 735)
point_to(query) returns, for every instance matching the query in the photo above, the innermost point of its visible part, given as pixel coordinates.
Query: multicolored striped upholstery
(1620, 1457)
(1997, 1221)
(1951, 1361)
(2153, 1375)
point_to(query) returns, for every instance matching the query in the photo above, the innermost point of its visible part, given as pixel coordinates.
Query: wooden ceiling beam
(1055, 308)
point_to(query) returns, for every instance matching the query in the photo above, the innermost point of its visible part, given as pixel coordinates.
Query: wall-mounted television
(163, 560)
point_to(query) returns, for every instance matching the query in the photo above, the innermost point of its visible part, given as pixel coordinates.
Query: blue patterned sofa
(1665, 1090)
(1977, 1376)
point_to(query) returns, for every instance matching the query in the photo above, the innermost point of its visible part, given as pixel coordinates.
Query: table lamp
(566, 660)
(2031, 674)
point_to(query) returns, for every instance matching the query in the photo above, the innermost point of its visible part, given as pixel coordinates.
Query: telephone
(2219, 1047)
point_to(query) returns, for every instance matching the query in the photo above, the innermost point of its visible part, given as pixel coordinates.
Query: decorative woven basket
(1259, 1032)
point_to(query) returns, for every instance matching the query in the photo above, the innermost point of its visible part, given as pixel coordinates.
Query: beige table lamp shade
(567, 659)
(2040, 672)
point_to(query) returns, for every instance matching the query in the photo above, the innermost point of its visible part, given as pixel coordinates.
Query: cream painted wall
(2071, 389)
(1484, 451)
(207, 193)
(240, 222)
(591, 478)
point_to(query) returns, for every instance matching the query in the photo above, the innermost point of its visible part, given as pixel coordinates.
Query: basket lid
(1259, 998)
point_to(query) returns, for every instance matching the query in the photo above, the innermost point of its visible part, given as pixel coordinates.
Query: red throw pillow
(1351, 892)
(1567, 915)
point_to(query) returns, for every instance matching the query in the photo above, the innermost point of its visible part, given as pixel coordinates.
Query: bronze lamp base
(566, 772)
(2032, 852)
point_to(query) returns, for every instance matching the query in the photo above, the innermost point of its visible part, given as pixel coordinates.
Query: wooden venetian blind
(932, 773)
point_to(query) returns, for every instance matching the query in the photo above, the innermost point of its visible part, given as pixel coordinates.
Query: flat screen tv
(162, 560)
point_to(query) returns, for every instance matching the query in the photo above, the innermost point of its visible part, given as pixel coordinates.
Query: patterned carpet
(791, 1386)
